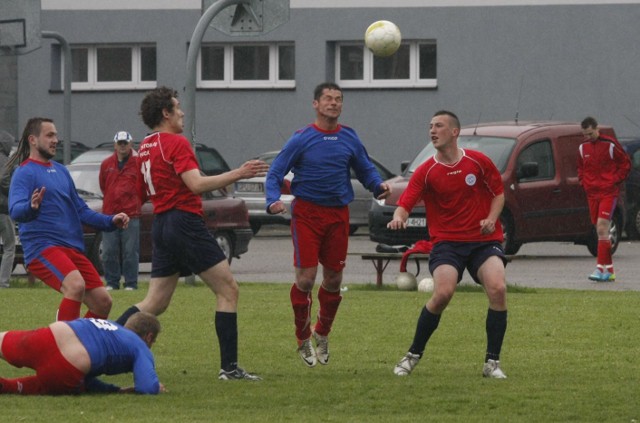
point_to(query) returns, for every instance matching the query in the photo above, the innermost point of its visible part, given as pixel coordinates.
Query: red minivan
(543, 199)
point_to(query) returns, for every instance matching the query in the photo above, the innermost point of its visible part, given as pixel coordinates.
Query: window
(541, 155)
(108, 67)
(413, 65)
(246, 66)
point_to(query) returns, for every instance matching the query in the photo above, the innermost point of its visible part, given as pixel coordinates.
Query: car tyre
(225, 243)
(508, 228)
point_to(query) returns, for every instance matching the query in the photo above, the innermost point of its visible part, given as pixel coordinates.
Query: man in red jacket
(603, 165)
(118, 183)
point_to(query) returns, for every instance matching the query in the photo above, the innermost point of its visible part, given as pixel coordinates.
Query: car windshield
(497, 149)
(92, 156)
(86, 179)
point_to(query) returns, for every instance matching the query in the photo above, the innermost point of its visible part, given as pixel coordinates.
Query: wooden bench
(381, 261)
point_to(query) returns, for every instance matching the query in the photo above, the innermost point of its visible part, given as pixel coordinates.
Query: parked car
(544, 200)
(632, 187)
(77, 148)
(253, 192)
(226, 218)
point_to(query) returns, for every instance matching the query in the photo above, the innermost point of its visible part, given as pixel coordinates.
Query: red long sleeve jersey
(457, 197)
(602, 167)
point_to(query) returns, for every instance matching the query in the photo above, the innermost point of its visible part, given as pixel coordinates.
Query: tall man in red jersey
(463, 194)
(603, 166)
(182, 245)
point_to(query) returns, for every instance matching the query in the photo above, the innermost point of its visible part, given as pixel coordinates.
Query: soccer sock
(128, 313)
(427, 324)
(69, 309)
(91, 314)
(329, 303)
(496, 327)
(227, 331)
(301, 302)
(604, 253)
(29, 385)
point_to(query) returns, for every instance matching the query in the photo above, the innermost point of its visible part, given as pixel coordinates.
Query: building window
(413, 65)
(107, 67)
(246, 66)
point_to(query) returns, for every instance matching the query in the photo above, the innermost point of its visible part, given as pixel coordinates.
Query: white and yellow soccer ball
(382, 38)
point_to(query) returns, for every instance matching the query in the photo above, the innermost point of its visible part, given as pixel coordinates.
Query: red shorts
(53, 264)
(37, 349)
(602, 208)
(319, 234)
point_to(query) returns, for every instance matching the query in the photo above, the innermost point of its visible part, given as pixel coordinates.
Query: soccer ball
(406, 281)
(382, 38)
(425, 285)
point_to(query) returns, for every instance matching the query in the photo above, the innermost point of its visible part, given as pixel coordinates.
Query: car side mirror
(527, 170)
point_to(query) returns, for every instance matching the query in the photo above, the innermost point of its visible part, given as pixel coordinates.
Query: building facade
(485, 60)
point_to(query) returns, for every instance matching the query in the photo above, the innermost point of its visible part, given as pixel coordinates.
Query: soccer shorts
(602, 208)
(319, 234)
(464, 255)
(37, 349)
(182, 243)
(53, 264)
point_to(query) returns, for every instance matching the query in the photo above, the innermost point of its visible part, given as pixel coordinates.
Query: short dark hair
(154, 102)
(454, 118)
(589, 122)
(317, 92)
(143, 323)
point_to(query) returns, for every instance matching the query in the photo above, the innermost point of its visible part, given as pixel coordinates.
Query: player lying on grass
(68, 356)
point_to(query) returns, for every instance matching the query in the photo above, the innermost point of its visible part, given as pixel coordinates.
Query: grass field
(568, 355)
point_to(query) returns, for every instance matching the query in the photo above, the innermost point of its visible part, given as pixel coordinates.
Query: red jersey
(457, 197)
(602, 167)
(119, 186)
(162, 158)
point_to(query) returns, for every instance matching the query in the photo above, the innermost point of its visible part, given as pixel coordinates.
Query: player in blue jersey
(321, 156)
(50, 214)
(68, 356)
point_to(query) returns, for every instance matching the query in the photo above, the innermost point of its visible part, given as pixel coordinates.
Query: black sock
(496, 327)
(427, 324)
(128, 313)
(227, 331)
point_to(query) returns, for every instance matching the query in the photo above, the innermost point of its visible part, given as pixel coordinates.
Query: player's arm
(24, 202)
(199, 184)
(488, 225)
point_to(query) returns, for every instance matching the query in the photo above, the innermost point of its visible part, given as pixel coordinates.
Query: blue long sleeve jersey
(113, 350)
(59, 220)
(321, 162)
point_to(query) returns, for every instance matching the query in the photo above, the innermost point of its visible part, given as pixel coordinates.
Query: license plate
(249, 187)
(417, 221)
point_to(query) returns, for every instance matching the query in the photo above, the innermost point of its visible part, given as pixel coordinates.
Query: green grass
(569, 356)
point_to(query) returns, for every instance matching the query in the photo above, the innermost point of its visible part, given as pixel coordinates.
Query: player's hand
(121, 220)
(163, 388)
(396, 224)
(253, 168)
(487, 226)
(277, 208)
(36, 197)
(386, 191)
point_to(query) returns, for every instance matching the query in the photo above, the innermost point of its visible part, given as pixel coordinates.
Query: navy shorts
(464, 255)
(182, 243)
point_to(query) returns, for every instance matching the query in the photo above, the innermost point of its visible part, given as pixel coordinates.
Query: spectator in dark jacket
(7, 230)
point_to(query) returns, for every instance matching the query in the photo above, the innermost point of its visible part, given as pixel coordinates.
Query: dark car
(226, 218)
(632, 187)
(252, 191)
(77, 148)
(544, 200)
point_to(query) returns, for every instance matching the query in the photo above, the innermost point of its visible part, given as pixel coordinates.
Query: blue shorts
(182, 243)
(464, 255)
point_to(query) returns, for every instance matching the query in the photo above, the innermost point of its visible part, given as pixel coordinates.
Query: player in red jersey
(463, 194)
(182, 245)
(603, 166)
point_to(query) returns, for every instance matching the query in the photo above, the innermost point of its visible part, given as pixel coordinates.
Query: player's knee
(73, 286)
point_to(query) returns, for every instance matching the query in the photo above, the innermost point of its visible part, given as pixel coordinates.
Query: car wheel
(614, 236)
(224, 241)
(508, 229)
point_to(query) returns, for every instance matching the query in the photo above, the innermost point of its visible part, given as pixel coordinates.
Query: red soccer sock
(329, 303)
(29, 385)
(604, 254)
(91, 314)
(301, 302)
(69, 309)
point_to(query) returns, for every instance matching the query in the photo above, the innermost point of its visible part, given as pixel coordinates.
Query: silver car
(252, 191)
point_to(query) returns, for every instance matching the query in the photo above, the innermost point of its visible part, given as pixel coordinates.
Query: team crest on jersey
(470, 179)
